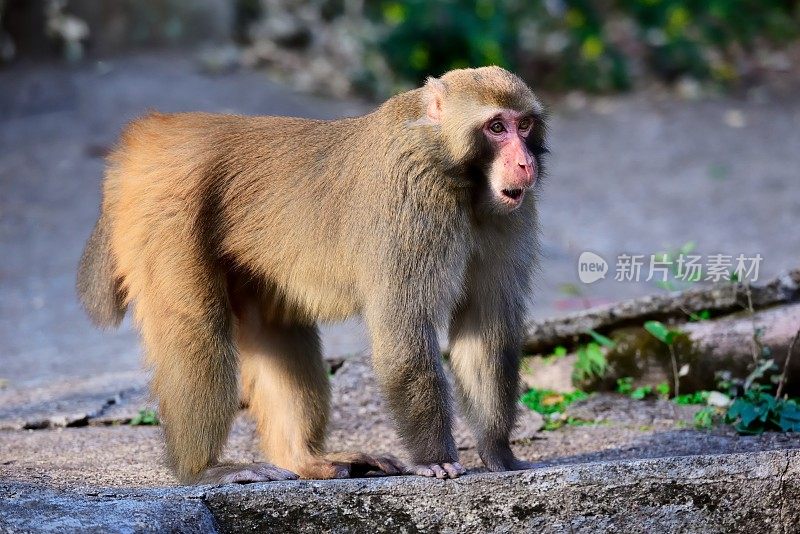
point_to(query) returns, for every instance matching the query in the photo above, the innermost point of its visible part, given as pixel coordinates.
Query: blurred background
(675, 128)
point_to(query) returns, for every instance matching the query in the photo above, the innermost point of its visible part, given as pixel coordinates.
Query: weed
(702, 315)
(757, 411)
(559, 352)
(548, 402)
(552, 405)
(705, 417)
(591, 359)
(601, 339)
(625, 387)
(698, 397)
(591, 362)
(668, 336)
(145, 417)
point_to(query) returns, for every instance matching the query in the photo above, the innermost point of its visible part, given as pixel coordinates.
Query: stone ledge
(726, 492)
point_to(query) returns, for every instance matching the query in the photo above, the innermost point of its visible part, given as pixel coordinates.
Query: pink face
(513, 170)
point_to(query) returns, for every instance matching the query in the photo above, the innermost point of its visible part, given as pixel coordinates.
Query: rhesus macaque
(233, 236)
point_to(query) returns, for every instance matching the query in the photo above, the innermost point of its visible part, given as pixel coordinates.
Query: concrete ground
(71, 462)
(634, 174)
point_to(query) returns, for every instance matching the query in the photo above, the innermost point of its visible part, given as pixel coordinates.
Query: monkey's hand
(445, 470)
(244, 474)
(351, 465)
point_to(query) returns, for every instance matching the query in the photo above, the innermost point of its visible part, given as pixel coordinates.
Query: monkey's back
(188, 190)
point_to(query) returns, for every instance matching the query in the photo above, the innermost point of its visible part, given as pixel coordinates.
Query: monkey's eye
(497, 127)
(524, 124)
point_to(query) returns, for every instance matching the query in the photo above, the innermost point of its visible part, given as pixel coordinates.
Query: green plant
(757, 411)
(601, 339)
(698, 397)
(680, 32)
(433, 37)
(558, 352)
(144, 417)
(594, 45)
(641, 392)
(702, 315)
(548, 402)
(554, 423)
(590, 362)
(705, 417)
(552, 406)
(668, 336)
(625, 387)
(755, 408)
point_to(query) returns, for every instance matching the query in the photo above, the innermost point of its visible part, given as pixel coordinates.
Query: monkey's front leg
(408, 365)
(484, 353)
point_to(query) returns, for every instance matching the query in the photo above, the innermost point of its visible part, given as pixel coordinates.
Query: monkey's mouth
(512, 195)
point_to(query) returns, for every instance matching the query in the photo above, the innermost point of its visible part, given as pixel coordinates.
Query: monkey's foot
(445, 470)
(522, 465)
(244, 474)
(351, 465)
(513, 464)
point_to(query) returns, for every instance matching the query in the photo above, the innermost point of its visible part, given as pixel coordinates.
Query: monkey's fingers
(440, 471)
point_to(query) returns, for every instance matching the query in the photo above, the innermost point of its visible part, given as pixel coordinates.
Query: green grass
(552, 406)
(145, 417)
(698, 397)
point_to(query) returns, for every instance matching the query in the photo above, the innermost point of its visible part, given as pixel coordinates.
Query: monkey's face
(513, 168)
(490, 122)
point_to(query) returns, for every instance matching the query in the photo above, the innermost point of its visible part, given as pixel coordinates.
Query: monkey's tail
(99, 290)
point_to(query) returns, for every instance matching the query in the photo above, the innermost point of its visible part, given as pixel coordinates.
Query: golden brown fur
(233, 236)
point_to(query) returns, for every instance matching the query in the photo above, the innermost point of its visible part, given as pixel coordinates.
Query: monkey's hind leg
(187, 330)
(285, 382)
(185, 321)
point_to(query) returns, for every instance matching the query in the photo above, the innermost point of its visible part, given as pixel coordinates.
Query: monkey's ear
(434, 97)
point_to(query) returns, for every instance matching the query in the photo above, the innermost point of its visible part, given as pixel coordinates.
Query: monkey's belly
(330, 305)
(310, 301)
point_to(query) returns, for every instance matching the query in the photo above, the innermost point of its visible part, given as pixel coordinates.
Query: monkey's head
(490, 122)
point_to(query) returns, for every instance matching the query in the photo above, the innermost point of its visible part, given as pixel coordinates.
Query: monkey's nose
(527, 171)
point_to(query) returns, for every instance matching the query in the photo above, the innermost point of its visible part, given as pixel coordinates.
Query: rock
(29, 508)
(546, 373)
(730, 492)
(606, 408)
(720, 400)
(699, 494)
(73, 402)
(707, 347)
(723, 298)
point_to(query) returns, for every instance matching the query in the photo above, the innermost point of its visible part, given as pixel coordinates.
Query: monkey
(232, 237)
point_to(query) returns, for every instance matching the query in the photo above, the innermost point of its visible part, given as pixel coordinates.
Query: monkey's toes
(441, 471)
(245, 474)
(358, 464)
